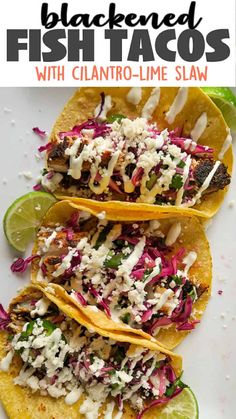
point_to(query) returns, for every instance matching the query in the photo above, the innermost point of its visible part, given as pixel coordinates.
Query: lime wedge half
(225, 100)
(24, 216)
(183, 406)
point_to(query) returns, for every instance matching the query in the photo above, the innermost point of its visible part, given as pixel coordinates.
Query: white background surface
(210, 351)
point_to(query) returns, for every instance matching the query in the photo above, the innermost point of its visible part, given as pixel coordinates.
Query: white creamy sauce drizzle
(156, 270)
(73, 396)
(124, 136)
(189, 260)
(41, 307)
(90, 409)
(199, 127)
(129, 263)
(134, 95)
(104, 182)
(106, 108)
(180, 192)
(206, 182)
(109, 410)
(6, 362)
(49, 240)
(178, 104)
(67, 260)
(151, 103)
(173, 234)
(226, 145)
(76, 163)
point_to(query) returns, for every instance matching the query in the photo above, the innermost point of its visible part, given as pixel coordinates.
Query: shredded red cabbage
(81, 299)
(163, 321)
(75, 261)
(187, 325)
(4, 318)
(20, 265)
(158, 402)
(45, 147)
(137, 176)
(147, 315)
(69, 233)
(37, 187)
(44, 269)
(162, 385)
(190, 147)
(39, 132)
(183, 311)
(169, 372)
(100, 300)
(73, 221)
(99, 128)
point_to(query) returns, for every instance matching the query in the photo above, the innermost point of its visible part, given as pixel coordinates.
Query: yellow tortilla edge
(22, 403)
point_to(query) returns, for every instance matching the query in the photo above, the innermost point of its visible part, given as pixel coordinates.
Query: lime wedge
(183, 406)
(225, 100)
(24, 216)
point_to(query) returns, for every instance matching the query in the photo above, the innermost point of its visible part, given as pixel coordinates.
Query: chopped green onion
(151, 182)
(126, 318)
(178, 280)
(181, 164)
(116, 117)
(102, 236)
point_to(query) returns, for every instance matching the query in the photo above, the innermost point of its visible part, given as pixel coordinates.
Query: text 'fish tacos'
(151, 276)
(54, 364)
(153, 150)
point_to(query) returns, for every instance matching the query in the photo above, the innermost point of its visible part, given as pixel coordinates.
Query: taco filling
(61, 358)
(132, 160)
(133, 272)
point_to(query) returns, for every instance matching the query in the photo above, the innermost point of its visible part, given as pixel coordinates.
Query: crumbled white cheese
(52, 183)
(101, 215)
(6, 361)
(28, 175)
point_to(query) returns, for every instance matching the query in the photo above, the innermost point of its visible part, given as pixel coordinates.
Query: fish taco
(55, 364)
(151, 276)
(148, 150)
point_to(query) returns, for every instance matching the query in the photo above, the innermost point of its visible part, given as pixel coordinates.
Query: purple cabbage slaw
(185, 144)
(20, 265)
(150, 319)
(42, 134)
(4, 318)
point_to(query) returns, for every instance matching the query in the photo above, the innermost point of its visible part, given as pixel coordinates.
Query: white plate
(210, 351)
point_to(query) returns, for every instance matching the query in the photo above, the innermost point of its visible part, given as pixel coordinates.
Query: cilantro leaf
(177, 182)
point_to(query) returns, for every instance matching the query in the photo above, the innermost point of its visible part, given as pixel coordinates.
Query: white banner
(181, 43)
